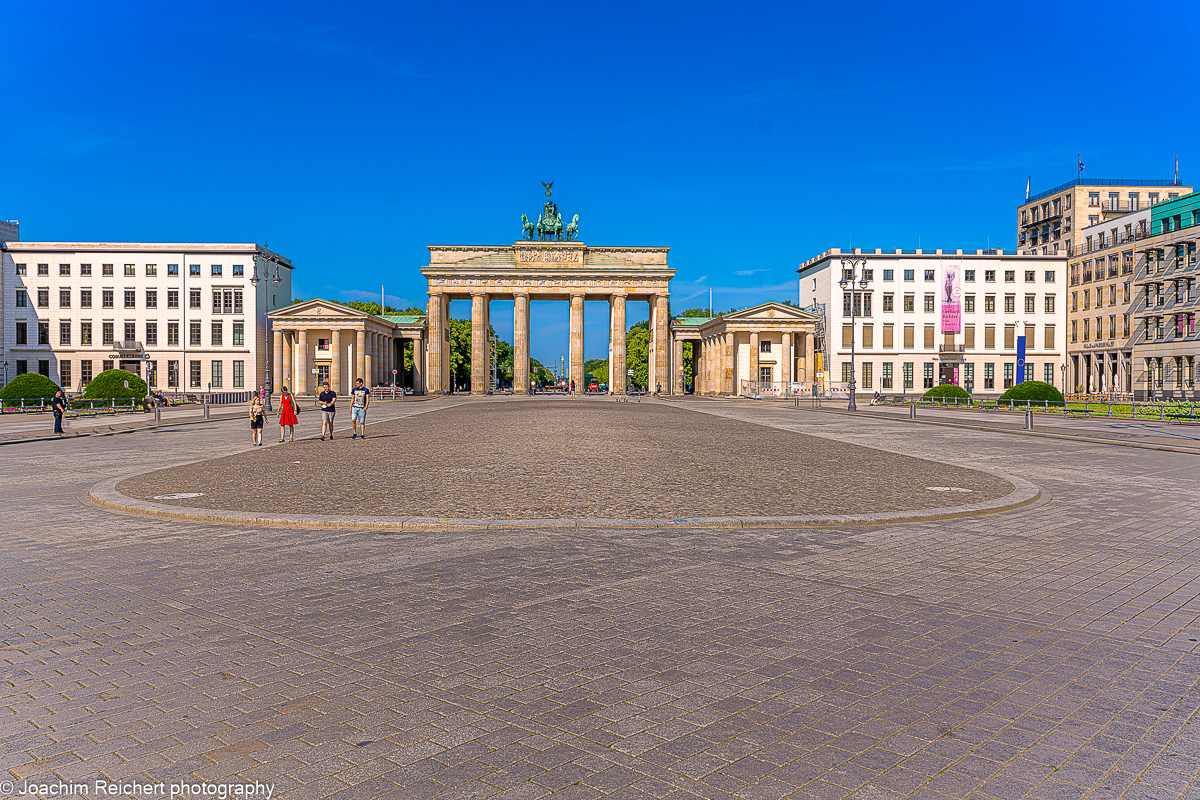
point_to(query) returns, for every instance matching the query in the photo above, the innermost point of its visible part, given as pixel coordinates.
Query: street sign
(393, 372)
(315, 371)
(681, 370)
(628, 372)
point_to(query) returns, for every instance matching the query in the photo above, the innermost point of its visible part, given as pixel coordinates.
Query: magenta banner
(951, 299)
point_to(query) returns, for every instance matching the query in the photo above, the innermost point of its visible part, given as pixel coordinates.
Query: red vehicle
(594, 386)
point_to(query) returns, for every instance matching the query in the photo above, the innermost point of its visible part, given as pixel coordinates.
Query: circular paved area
(562, 458)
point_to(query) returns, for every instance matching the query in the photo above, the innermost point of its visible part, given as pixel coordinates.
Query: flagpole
(1079, 167)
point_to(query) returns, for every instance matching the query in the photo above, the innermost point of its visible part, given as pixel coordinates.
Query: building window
(151, 298)
(64, 269)
(989, 276)
(43, 298)
(929, 335)
(151, 334)
(130, 298)
(106, 269)
(216, 270)
(1125, 326)
(909, 274)
(929, 275)
(889, 274)
(1048, 374)
(172, 271)
(969, 275)
(1008, 375)
(237, 301)
(85, 298)
(172, 334)
(21, 269)
(217, 336)
(867, 377)
(43, 270)
(239, 336)
(989, 376)
(763, 346)
(888, 336)
(151, 270)
(85, 269)
(130, 332)
(194, 298)
(927, 375)
(928, 303)
(907, 372)
(1030, 304)
(85, 333)
(1048, 344)
(218, 377)
(152, 373)
(130, 270)
(846, 374)
(43, 332)
(22, 299)
(239, 374)
(1010, 304)
(172, 298)
(22, 366)
(216, 295)
(238, 271)
(194, 374)
(1049, 304)
(194, 271)
(1010, 276)
(969, 304)
(64, 373)
(910, 303)
(885, 377)
(989, 304)
(106, 298)
(889, 300)
(194, 334)
(172, 374)
(64, 333)
(85, 371)
(22, 333)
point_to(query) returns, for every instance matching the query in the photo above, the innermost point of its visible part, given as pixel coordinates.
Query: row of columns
(375, 356)
(714, 362)
(437, 319)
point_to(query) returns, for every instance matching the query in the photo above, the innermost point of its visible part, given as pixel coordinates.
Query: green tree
(637, 353)
(598, 367)
(29, 386)
(539, 373)
(111, 383)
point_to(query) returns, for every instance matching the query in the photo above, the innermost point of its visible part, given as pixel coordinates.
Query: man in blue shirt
(360, 398)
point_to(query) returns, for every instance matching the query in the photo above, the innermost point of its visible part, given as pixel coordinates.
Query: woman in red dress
(287, 414)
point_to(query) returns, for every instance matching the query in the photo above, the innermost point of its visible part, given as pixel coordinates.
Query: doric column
(433, 321)
(302, 362)
(369, 358)
(335, 363)
(277, 375)
(678, 380)
(479, 367)
(810, 358)
(651, 350)
(287, 377)
(521, 344)
(577, 342)
(617, 382)
(785, 358)
(662, 360)
(753, 356)
(729, 364)
(418, 372)
(360, 356)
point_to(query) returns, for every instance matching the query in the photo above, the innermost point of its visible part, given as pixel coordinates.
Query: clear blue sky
(747, 137)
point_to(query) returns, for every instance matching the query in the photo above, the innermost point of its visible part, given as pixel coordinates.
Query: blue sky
(747, 137)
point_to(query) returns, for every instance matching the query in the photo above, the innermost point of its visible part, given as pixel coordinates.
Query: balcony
(1037, 219)
(127, 346)
(949, 353)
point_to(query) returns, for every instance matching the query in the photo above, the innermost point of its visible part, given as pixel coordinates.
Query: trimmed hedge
(1033, 391)
(947, 390)
(111, 383)
(30, 386)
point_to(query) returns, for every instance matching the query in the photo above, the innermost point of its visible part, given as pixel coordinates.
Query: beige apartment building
(1052, 222)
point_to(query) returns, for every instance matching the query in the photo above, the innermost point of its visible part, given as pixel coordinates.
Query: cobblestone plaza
(1048, 651)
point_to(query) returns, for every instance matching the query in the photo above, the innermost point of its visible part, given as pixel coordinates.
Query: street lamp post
(852, 267)
(275, 281)
(6, 372)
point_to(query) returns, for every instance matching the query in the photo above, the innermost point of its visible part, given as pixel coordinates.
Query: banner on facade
(1020, 378)
(952, 298)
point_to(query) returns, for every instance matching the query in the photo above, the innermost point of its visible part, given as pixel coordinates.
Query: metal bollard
(157, 415)
(912, 410)
(206, 406)
(1029, 419)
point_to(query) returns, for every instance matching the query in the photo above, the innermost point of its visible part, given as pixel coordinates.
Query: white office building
(185, 317)
(906, 338)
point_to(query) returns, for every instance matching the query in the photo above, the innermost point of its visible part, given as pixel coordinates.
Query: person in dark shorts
(257, 417)
(327, 399)
(360, 398)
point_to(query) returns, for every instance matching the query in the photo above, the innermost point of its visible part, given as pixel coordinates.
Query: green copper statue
(549, 226)
(528, 227)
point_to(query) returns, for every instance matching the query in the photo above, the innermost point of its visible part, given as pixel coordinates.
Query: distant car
(594, 386)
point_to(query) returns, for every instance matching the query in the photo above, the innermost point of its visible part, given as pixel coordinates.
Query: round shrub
(1032, 391)
(111, 383)
(948, 390)
(29, 386)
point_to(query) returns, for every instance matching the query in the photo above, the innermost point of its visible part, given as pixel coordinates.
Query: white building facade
(904, 342)
(184, 317)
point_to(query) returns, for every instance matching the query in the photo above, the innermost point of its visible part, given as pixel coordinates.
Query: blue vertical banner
(1020, 376)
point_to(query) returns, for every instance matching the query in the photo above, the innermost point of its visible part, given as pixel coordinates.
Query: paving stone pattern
(1044, 653)
(549, 459)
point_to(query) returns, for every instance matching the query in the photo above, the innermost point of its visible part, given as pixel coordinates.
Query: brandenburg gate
(528, 271)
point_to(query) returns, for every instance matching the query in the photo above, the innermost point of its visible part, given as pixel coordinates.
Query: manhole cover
(947, 489)
(178, 496)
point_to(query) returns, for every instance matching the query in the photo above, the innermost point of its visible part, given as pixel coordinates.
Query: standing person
(327, 399)
(257, 417)
(360, 398)
(58, 404)
(287, 414)
(572, 387)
